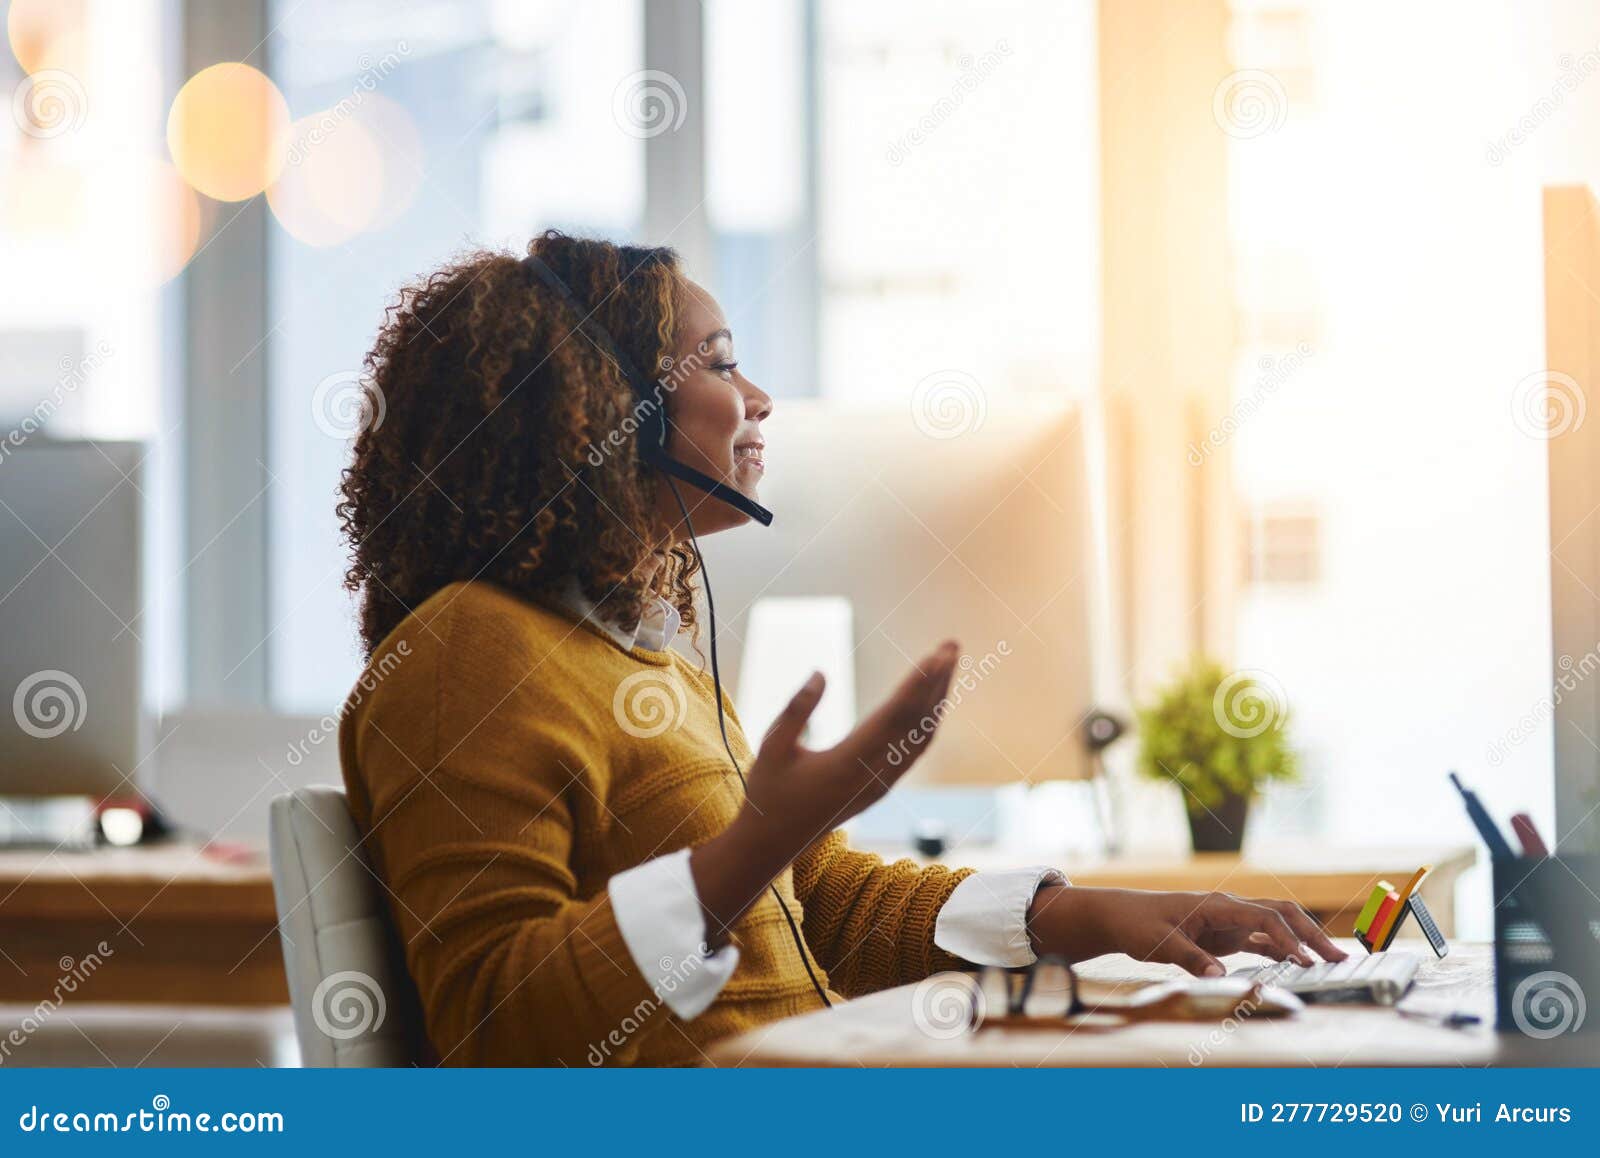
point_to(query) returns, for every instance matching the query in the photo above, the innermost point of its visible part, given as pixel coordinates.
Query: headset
(652, 416)
(651, 410)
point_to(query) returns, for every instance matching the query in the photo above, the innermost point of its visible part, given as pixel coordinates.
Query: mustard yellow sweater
(500, 781)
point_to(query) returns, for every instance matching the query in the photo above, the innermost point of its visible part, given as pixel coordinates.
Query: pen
(1455, 1020)
(1498, 848)
(1532, 843)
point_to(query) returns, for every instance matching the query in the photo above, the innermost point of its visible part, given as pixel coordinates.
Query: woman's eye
(726, 368)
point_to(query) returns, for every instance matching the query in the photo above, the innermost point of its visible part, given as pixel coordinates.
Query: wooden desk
(1332, 884)
(880, 1030)
(181, 927)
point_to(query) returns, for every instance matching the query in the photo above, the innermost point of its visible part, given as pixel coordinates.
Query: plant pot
(1221, 828)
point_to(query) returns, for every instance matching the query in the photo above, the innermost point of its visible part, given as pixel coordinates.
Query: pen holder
(1547, 944)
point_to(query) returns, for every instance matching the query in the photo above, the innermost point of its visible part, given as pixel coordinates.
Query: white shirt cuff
(985, 920)
(658, 912)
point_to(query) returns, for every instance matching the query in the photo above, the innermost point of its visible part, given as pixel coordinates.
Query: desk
(879, 1030)
(182, 927)
(1332, 884)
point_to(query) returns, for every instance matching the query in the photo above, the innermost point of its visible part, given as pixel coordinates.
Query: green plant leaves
(1216, 733)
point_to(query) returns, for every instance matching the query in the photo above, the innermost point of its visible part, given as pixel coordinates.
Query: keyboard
(1380, 978)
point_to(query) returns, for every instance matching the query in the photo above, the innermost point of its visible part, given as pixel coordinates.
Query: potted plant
(1219, 736)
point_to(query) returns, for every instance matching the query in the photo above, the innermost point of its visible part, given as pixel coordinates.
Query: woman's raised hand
(796, 795)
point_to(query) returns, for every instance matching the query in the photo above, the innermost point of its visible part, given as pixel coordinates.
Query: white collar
(658, 624)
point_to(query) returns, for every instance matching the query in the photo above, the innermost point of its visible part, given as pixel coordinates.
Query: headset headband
(653, 420)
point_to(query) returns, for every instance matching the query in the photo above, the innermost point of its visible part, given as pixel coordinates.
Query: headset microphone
(653, 449)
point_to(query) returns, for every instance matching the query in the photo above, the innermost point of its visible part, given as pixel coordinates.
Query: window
(1385, 331)
(1282, 545)
(440, 126)
(759, 81)
(958, 198)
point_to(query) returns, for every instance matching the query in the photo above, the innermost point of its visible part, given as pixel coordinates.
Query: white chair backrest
(354, 1004)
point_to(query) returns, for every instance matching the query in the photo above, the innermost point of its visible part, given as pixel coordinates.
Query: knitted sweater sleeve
(466, 785)
(870, 924)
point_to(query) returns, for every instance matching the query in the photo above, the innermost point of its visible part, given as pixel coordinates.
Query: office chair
(354, 1003)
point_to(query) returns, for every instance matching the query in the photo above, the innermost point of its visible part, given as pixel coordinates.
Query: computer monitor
(977, 531)
(69, 608)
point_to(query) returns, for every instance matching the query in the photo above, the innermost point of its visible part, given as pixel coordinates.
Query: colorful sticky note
(1364, 921)
(1379, 929)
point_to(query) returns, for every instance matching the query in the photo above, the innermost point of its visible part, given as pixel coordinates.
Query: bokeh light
(41, 198)
(331, 184)
(397, 136)
(174, 218)
(226, 131)
(47, 34)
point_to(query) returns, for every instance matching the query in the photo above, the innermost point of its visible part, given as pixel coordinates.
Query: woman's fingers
(893, 735)
(937, 684)
(1177, 949)
(1307, 929)
(817, 790)
(921, 690)
(1224, 914)
(884, 745)
(784, 735)
(911, 715)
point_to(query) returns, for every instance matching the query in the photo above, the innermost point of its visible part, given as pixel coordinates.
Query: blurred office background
(1290, 253)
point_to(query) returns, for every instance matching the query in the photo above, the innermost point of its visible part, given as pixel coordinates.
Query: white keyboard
(1381, 978)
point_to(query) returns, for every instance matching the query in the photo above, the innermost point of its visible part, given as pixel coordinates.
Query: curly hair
(482, 411)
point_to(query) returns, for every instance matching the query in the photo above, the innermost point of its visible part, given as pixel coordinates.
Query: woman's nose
(757, 403)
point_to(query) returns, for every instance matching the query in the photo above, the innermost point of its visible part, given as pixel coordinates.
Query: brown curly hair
(483, 409)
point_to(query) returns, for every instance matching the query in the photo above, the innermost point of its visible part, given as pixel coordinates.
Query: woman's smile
(748, 456)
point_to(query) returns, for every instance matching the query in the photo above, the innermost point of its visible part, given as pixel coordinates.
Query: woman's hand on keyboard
(1187, 929)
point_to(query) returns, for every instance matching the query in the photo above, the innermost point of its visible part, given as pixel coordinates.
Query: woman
(577, 882)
